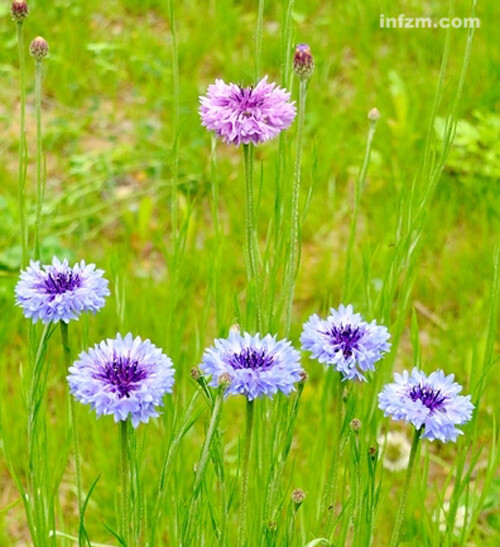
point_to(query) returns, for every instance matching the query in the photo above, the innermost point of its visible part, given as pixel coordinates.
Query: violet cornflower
(57, 292)
(123, 377)
(244, 115)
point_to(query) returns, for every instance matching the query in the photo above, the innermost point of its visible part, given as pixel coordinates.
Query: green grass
(120, 141)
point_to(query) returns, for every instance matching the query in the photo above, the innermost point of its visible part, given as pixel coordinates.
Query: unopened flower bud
(374, 115)
(372, 452)
(39, 48)
(303, 62)
(355, 425)
(195, 373)
(225, 380)
(272, 525)
(298, 496)
(19, 10)
(303, 376)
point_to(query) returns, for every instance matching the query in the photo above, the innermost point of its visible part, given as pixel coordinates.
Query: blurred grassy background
(108, 141)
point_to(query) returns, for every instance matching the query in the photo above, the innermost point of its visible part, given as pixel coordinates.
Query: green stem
(258, 40)
(22, 146)
(402, 504)
(251, 236)
(330, 495)
(244, 475)
(124, 464)
(167, 464)
(205, 453)
(175, 120)
(294, 234)
(360, 184)
(204, 457)
(72, 416)
(39, 153)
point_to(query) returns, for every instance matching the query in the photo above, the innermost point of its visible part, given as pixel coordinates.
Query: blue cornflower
(57, 292)
(257, 366)
(430, 402)
(352, 346)
(126, 377)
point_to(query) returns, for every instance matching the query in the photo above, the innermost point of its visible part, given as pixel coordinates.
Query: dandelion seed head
(396, 451)
(431, 402)
(123, 377)
(243, 115)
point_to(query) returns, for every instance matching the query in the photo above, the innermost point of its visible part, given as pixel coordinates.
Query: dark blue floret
(433, 400)
(123, 374)
(347, 337)
(61, 282)
(251, 358)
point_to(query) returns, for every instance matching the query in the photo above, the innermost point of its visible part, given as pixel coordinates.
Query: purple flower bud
(19, 10)
(298, 496)
(303, 62)
(225, 380)
(374, 115)
(355, 425)
(39, 48)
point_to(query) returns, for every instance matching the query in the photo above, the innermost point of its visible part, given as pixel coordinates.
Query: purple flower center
(347, 337)
(433, 400)
(61, 282)
(247, 102)
(122, 374)
(251, 358)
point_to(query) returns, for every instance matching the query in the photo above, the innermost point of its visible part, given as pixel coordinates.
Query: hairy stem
(294, 232)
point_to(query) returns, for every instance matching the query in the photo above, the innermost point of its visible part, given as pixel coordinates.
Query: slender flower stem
(244, 475)
(251, 236)
(205, 453)
(124, 464)
(360, 184)
(72, 416)
(294, 234)
(175, 121)
(22, 146)
(402, 504)
(330, 495)
(39, 155)
(258, 40)
(202, 464)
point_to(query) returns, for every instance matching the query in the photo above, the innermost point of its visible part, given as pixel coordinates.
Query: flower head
(39, 48)
(460, 518)
(246, 114)
(429, 402)
(257, 366)
(57, 292)
(19, 10)
(303, 62)
(126, 377)
(345, 341)
(396, 450)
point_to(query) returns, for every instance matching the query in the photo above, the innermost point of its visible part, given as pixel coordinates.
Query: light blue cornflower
(346, 342)
(57, 292)
(431, 402)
